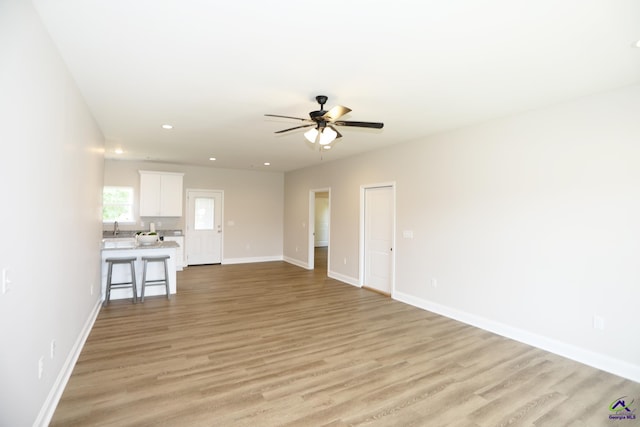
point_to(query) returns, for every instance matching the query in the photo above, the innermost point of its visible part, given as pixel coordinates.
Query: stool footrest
(155, 282)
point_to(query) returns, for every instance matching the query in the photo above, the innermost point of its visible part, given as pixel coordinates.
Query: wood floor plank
(271, 344)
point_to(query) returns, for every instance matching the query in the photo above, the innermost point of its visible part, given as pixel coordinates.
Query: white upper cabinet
(160, 193)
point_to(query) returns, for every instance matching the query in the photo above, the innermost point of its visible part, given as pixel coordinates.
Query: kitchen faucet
(116, 229)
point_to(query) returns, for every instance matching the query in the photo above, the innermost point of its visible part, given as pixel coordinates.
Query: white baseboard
(346, 279)
(50, 404)
(578, 354)
(249, 260)
(296, 262)
(332, 274)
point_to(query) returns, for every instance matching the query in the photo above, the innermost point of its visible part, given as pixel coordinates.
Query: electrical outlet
(6, 282)
(40, 367)
(345, 261)
(434, 282)
(598, 322)
(91, 289)
(53, 349)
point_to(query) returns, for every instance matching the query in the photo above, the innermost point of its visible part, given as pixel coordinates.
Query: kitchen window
(117, 204)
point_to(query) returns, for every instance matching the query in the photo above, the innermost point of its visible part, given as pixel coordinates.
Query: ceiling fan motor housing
(317, 115)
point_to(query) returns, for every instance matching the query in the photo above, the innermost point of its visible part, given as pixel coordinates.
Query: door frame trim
(186, 219)
(311, 229)
(363, 188)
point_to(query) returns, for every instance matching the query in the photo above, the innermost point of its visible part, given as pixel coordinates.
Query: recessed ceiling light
(267, 164)
(118, 151)
(212, 159)
(168, 127)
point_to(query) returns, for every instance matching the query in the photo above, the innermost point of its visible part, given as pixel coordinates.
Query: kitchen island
(116, 248)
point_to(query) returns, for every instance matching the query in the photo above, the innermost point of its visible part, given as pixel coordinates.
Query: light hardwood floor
(272, 344)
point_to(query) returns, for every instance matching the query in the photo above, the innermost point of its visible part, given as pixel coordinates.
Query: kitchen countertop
(124, 243)
(108, 234)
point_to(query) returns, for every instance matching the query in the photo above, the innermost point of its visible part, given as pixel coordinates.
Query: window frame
(130, 204)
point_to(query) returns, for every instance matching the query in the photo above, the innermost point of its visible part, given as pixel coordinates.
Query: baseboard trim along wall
(346, 279)
(587, 357)
(297, 262)
(49, 407)
(249, 260)
(332, 274)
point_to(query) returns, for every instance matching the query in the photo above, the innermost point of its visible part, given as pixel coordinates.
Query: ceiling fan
(324, 123)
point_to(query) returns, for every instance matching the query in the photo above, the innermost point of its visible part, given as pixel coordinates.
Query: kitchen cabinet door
(171, 195)
(160, 194)
(150, 194)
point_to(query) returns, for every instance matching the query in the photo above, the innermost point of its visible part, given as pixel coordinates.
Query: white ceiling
(213, 69)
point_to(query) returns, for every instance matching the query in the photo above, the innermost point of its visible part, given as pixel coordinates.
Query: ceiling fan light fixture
(311, 135)
(327, 136)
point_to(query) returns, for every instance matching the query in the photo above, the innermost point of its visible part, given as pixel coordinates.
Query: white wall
(51, 171)
(253, 201)
(530, 225)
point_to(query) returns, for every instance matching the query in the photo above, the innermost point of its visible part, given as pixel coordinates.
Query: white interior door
(378, 238)
(204, 227)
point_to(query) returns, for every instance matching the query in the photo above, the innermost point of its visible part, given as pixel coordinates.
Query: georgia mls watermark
(621, 409)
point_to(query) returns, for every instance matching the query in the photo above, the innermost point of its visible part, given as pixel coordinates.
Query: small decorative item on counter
(146, 238)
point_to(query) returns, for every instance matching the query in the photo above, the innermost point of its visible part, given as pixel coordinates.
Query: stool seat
(155, 282)
(120, 285)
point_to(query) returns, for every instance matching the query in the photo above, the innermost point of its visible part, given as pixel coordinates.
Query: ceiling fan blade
(297, 127)
(287, 117)
(335, 113)
(338, 134)
(374, 125)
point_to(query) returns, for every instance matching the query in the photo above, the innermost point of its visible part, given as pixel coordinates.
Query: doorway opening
(319, 229)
